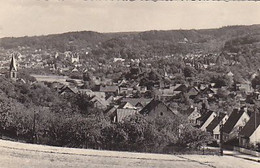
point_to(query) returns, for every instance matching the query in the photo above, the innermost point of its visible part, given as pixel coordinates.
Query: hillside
(132, 44)
(237, 48)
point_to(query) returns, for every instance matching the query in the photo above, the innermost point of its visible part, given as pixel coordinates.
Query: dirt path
(20, 155)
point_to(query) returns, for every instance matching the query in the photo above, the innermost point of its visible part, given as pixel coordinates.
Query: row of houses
(238, 127)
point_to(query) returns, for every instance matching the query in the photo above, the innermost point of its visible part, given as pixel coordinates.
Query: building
(250, 133)
(91, 93)
(206, 119)
(109, 90)
(139, 103)
(157, 108)
(75, 58)
(193, 114)
(13, 68)
(214, 126)
(99, 103)
(236, 121)
(67, 90)
(121, 114)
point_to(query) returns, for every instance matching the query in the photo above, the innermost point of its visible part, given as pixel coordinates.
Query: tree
(189, 71)
(194, 138)
(255, 82)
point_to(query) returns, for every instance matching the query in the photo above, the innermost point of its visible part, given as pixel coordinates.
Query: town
(206, 89)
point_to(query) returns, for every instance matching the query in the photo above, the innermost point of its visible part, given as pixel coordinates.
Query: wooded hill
(136, 44)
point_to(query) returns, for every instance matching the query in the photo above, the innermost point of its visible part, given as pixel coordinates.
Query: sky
(41, 17)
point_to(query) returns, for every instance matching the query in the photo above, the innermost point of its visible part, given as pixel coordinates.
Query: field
(20, 155)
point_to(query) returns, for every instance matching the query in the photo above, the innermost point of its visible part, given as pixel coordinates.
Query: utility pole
(34, 139)
(255, 127)
(221, 138)
(33, 135)
(221, 134)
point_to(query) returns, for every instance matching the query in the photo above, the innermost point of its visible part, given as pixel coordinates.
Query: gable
(216, 122)
(157, 108)
(193, 91)
(251, 125)
(235, 119)
(255, 137)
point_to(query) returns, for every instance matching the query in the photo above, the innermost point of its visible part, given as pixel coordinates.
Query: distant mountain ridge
(158, 42)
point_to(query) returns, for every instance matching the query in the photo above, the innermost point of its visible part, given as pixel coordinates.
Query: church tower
(13, 68)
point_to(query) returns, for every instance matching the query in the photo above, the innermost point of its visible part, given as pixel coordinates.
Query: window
(161, 113)
(13, 75)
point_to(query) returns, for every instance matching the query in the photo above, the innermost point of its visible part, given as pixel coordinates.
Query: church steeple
(13, 68)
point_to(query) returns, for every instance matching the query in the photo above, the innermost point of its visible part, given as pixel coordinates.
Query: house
(118, 112)
(111, 112)
(207, 92)
(142, 89)
(91, 93)
(109, 90)
(230, 74)
(250, 133)
(164, 94)
(74, 58)
(125, 90)
(244, 87)
(139, 103)
(202, 86)
(193, 114)
(157, 108)
(67, 90)
(118, 59)
(110, 99)
(180, 88)
(206, 119)
(121, 114)
(192, 92)
(74, 70)
(135, 101)
(126, 105)
(214, 126)
(236, 121)
(99, 102)
(122, 83)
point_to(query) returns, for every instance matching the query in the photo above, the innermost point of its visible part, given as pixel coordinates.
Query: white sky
(39, 17)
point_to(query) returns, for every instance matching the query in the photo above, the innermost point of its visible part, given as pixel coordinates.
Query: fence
(247, 151)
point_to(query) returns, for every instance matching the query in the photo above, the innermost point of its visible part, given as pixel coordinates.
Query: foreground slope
(19, 155)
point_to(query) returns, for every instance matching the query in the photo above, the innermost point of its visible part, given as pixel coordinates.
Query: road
(21, 155)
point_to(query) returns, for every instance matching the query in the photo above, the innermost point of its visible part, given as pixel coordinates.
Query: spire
(13, 66)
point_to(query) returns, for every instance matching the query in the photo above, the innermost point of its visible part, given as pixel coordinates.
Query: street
(19, 155)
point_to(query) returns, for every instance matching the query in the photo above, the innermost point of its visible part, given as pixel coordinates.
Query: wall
(247, 151)
(216, 130)
(255, 137)
(241, 121)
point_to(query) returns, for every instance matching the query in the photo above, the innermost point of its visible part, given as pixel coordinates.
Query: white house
(250, 133)
(206, 119)
(236, 121)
